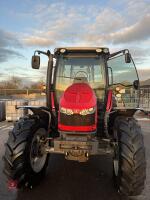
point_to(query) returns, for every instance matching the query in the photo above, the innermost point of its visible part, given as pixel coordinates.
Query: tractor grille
(77, 119)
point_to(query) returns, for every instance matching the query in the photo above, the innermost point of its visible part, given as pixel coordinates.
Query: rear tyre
(25, 160)
(129, 164)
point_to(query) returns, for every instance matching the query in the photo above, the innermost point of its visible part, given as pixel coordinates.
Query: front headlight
(66, 111)
(87, 111)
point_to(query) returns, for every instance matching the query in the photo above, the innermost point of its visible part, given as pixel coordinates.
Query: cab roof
(81, 50)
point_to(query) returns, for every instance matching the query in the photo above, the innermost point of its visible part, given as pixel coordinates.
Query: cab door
(124, 80)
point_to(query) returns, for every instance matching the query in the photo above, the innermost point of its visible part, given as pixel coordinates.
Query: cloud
(60, 23)
(6, 54)
(140, 31)
(107, 21)
(38, 41)
(8, 45)
(137, 32)
(144, 74)
(8, 39)
(140, 55)
(136, 9)
(116, 24)
(65, 24)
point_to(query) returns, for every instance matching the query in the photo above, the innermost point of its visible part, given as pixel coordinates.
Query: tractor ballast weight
(91, 97)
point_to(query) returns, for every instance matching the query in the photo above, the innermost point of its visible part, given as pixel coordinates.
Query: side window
(123, 75)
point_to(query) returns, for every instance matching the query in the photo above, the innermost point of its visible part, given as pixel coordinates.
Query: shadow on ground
(68, 180)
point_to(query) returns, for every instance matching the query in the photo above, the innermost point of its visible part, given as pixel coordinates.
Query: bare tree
(13, 83)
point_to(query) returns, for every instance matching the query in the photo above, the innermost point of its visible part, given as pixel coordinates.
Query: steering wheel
(82, 72)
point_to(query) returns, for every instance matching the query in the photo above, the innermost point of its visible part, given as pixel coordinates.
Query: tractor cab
(86, 84)
(79, 85)
(80, 67)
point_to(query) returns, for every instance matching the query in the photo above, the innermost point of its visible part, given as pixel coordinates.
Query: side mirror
(35, 62)
(136, 84)
(127, 58)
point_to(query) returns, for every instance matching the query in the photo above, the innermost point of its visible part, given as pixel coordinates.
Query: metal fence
(31, 97)
(145, 98)
(20, 93)
(130, 97)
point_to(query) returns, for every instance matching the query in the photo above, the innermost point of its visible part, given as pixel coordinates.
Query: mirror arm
(118, 52)
(48, 53)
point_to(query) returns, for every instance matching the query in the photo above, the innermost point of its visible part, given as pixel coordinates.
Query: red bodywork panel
(77, 97)
(109, 101)
(77, 128)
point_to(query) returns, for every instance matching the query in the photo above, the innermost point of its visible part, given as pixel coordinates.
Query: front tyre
(25, 160)
(129, 164)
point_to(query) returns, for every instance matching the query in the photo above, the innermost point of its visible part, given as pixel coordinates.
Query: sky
(28, 25)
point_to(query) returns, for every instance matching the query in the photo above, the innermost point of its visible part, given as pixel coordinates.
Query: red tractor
(92, 96)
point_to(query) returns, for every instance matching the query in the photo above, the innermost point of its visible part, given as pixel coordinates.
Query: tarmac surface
(69, 180)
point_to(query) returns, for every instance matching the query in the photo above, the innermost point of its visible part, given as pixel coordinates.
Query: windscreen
(74, 69)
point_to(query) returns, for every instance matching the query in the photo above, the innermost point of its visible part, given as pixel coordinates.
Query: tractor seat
(80, 80)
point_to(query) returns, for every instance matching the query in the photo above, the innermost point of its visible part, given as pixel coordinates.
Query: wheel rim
(116, 166)
(37, 154)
